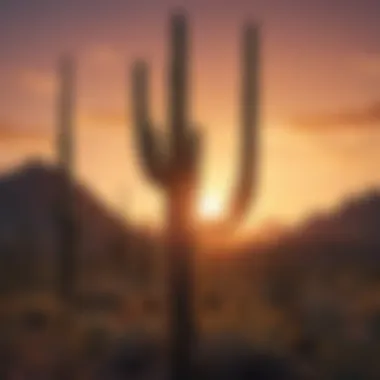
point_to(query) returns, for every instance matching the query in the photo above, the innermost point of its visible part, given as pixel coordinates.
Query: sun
(210, 207)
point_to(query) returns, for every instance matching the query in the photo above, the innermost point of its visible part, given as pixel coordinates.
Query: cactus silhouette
(65, 203)
(65, 158)
(173, 166)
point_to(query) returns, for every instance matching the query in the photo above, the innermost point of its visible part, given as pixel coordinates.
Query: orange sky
(315, 67)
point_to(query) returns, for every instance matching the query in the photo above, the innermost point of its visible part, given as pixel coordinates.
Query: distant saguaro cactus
(66, 200)
(174, 168)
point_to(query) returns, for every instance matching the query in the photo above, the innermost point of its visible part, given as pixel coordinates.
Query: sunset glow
(210, 207)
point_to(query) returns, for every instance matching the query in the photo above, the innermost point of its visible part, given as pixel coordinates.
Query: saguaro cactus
(65, 158)
(174, 168)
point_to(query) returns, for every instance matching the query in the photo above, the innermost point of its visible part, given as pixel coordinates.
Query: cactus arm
(247, 174)
(148, 138)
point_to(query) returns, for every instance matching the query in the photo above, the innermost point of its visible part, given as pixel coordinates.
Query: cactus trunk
(66, 244)
(181, 256)
(180, 206)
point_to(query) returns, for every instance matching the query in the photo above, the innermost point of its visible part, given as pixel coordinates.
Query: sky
(320, 118)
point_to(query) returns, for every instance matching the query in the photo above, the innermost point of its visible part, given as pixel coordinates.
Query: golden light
(210, 207)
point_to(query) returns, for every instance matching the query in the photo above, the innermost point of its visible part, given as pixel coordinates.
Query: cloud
(368, 64)
(10, 132)
(37, 82)
(13, 132)
(353, 119)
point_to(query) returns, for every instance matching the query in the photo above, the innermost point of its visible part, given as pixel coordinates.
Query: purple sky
(320, 57)
(310, 46)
